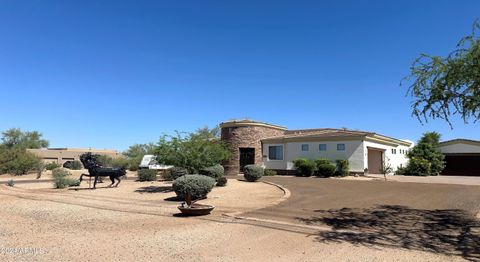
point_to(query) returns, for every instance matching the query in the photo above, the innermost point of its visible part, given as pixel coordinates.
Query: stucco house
(275, 147)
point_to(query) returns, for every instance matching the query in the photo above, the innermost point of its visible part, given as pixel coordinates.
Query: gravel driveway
(437, 218)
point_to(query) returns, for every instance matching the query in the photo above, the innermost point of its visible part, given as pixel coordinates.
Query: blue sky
(109, 74)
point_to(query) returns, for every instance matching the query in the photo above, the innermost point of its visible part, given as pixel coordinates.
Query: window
(305, 147)
(322, 147)
(275, 152)
(341, 147)
(394, 151)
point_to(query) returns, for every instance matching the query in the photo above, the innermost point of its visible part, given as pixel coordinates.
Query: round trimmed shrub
(222, 181)
(177, 172)
(147, 175)
(305, 167)
(215, 171)
(253, 173)
(197, 186)
(325, 170)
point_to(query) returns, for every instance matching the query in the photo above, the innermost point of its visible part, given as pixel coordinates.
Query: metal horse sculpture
(91, 163)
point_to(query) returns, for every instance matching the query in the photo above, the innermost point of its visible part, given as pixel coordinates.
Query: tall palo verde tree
(446, 86)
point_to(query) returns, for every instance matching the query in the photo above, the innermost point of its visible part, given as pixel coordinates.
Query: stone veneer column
(248, 134)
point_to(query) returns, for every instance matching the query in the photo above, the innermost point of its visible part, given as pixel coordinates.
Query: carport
(462, 157)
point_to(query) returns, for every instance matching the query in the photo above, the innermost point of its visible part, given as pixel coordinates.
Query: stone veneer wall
(246, 136)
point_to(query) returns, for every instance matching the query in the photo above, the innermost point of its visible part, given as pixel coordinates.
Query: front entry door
(375, 161)
(247, 157)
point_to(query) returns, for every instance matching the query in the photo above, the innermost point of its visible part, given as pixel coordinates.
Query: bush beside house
(305, 167)
(253, 173)
(424, 158)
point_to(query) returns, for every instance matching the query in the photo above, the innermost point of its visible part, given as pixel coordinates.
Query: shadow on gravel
(154, 189)
(448, 232)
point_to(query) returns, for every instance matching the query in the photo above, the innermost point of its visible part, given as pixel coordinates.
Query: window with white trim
(340, 147)
(322, 147)
(305, 147)
(275, 152)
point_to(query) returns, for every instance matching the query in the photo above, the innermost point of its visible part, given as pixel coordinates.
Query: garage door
(462, 165)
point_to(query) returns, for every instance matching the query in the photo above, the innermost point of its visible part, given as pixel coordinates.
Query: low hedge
(305, 167)
(269, 172)
(147, 175)
(325, 170)
(253, 173)
(197, 186)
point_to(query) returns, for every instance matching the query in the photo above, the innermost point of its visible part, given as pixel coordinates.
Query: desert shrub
(325, 170)
(18, 162)
(253, 173)
(305, 167)
(269, 172)
(322, 161)
(147, 175)
(167, 175)
(400, 171)
(342, 168)
(215, 171)
(62, 179)
(115, 162)
(10, 182)
(222, 181)
(177, 172)
(51, 166)
(197, 186)
(73, 165)
(418, 167)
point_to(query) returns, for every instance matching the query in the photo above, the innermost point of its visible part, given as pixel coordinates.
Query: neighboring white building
(462, 157)
(363, 150)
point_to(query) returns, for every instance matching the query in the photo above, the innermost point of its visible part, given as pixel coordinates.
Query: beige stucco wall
(356, 152)
(60, 156)
(395, 160)
(293, 150)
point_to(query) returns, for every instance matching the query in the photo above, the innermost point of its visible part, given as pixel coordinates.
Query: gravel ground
(131, 223)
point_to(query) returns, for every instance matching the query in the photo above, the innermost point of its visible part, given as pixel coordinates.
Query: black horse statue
(91, 163)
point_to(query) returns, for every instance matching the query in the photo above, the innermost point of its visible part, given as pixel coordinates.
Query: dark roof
(460, 140)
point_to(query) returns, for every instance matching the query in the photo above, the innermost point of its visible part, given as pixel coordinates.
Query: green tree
(424, 158)
(193, 151)
(135, 153)
(16, 138)
(445, 86)
(14, 157)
